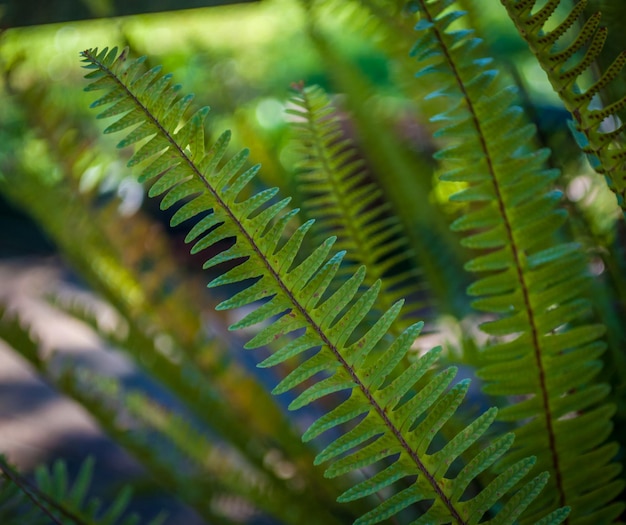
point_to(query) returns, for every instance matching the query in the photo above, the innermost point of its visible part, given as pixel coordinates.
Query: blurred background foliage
(65, 197)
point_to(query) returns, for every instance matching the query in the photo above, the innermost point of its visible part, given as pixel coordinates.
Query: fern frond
(566, 60)
(199, 387)
(272, 494)
(61, 503)
(174, 159)
(541, 348)
(15, 508)
(347, 204)
(17, 505)
(128, 261)
(406, 180)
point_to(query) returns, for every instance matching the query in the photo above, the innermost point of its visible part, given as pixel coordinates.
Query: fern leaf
(346, 204)
(404, 177)
(566, 59)
(128, 261)
(18, 505)
(299, 288)
(58, 502)
(542, 349)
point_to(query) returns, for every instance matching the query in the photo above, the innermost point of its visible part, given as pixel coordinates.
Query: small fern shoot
(392, 432)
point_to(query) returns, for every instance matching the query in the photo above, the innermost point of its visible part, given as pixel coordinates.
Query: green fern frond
(211, 411)
(345, 203)
(613, 14)
(406, 180)
(59, 502)
(15, 506)
(541, 348)
(104, 400)
(198, 387)
(566, 61)
(111, 253)
(173, 157)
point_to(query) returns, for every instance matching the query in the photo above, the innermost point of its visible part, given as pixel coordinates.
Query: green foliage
(296, 290)
(566, 59)
(542, 349)
(330, 297)
(55, 500)
(345, 203)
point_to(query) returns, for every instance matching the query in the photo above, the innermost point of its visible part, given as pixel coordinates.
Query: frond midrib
(380, 411)
(515, 252)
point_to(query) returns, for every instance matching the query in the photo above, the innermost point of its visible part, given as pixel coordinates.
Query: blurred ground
(37, 425)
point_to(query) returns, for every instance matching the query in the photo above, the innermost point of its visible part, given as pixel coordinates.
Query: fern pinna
(566, 60)
(397, 422)
(542, 349)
